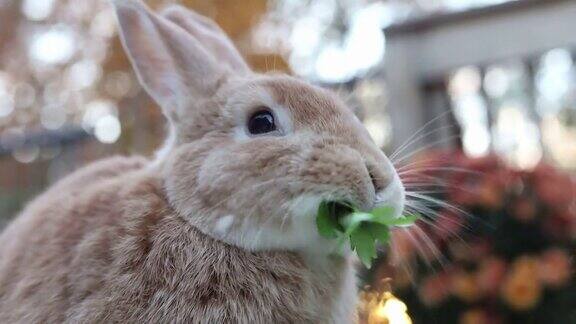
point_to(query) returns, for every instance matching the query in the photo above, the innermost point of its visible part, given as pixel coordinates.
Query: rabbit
(217, 227)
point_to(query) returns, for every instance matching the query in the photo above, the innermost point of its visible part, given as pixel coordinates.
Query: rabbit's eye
(261, 122)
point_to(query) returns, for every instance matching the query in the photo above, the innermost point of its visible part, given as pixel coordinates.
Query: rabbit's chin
(298, 232)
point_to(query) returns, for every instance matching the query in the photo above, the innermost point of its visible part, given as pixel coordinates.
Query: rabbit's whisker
(411, 140)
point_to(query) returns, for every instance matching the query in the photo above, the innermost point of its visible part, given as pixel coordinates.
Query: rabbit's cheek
(303, 212)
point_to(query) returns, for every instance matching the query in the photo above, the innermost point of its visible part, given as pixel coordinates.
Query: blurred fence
(505, 75)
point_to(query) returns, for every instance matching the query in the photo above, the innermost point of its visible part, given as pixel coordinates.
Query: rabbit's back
(105, 246)
(41, 251)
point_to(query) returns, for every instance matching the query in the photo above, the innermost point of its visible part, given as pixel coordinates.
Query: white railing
(423, 53)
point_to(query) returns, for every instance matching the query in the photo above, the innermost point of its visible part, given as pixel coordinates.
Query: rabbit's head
(249, 157)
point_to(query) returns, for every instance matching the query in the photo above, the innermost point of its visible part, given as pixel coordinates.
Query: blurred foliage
(63, 73)
(498, 244)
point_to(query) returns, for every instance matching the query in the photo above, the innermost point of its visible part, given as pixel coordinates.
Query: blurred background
(474, 99)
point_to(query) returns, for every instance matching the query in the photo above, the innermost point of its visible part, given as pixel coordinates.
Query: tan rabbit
(220, 226)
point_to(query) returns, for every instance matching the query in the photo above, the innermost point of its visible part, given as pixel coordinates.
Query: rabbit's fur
(220, 226)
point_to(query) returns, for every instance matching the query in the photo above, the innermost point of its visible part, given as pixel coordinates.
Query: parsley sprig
(363, 229)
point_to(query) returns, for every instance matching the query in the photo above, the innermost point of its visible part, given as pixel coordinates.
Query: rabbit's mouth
(337, 210)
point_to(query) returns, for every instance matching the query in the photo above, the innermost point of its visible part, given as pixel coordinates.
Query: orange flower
(475, 316)
(554, 267)
(522, 289)
(490, 275)
(460, 251)
(525, 267)
(434, 289)
(490, 194)
(465, 286)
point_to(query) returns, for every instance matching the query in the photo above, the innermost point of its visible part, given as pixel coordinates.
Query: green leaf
(327, 226)
(363, 243)
(383, 215)
(383, 212)
(353, 221)
(379, 232)
(404, 221)
(361, 229)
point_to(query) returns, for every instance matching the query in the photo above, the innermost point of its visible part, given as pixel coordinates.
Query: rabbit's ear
(172, 65)
(210, 35)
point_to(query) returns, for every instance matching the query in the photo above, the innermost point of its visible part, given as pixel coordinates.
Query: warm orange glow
(382, 308)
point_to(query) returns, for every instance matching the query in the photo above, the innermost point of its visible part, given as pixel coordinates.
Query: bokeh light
(53, 46)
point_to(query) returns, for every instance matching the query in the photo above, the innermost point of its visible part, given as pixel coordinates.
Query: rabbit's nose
(380, 180)
(388, 187)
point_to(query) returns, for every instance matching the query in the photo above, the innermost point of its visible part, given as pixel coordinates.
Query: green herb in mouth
(363, 229)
